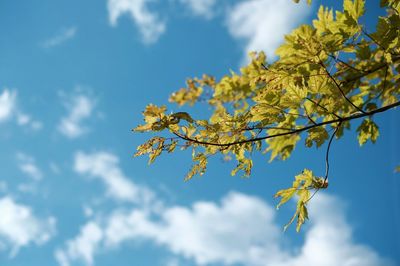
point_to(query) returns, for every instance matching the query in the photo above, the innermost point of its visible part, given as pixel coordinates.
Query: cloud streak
(28, 166)
(80, 108)
(63, 36)
(104, 166)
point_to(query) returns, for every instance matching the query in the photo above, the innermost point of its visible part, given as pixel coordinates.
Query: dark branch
(340, 89)
(346, 64)
(308, 116)
(324, 108)
(297, 131)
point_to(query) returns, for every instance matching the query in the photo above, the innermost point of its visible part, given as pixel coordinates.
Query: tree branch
(297, 131)
(319, 105)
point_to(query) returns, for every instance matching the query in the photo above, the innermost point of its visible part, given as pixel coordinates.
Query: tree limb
(296, 131)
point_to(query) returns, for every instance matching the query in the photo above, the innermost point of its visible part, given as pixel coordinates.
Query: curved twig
(325, 183)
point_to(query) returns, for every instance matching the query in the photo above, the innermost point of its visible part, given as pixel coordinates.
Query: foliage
(327, 74)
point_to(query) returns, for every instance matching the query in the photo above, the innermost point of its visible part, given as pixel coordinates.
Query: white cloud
(19, 226)
(203, 8)
(263, 23)
(80, 107)
(172, 262)
(9, 109)
(25, 120)
(28, 166)
(7, 104)
(149, 24)
(104, 166)
(63, 36)
(82, 247)
(240, 230)
(329, 241)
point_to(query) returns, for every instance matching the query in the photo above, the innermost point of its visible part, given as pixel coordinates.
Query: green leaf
(354, 8)
(285, 195)
(198, 168)
(324, 21)
(317, 136)
(282, 147)
(298, 1)
(368, 130)
(301, 187)
(302, 215)
(183, 115)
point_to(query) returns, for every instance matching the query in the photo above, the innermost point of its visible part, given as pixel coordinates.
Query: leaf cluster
(327, 74)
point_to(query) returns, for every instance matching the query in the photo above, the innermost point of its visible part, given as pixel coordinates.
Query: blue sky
(75, 77)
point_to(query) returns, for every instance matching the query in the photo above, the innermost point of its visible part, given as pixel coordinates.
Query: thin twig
(283, 110)
(327, 153)
(370, 71)
(383, 89)
(266, 68)
(323, 107)
(345, 63)
(263, 128)
(308, 116)
(394, 9)
(325, 183)
(373, 39)
(340, 89)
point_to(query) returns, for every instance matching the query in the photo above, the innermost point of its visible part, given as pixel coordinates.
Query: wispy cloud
(149, 24)
(104, 166)
(202, 8)
(9, 110)
(83, 246)
(263, 23)
(19, 226)
(61, 37)
(28, 166)
(7, 104)
(240, 230)
(80, 107)
(26, 120)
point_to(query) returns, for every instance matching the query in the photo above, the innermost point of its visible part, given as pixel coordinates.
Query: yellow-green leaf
(368, 130)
